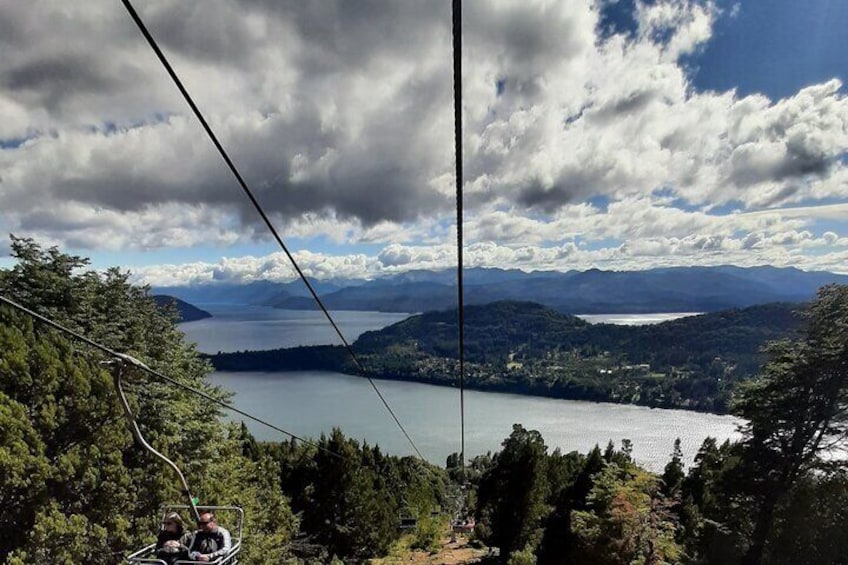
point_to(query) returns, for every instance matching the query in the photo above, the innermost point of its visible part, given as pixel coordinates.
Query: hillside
(526, 348)
(186, 312)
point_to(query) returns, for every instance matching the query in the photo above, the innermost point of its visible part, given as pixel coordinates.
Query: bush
(428, 534)
(523, 557)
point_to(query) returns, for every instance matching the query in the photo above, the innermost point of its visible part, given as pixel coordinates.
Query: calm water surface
(241, 327)
(634, 319)
(311, 403)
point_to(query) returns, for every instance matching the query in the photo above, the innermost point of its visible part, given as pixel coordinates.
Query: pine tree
(673, 474)
(514, 492)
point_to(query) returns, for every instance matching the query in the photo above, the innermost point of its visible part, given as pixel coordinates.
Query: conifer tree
(513, 494)
(673, 474)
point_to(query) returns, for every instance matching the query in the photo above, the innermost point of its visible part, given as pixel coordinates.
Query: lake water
(634, 319)
(242, 327)
(309, 403)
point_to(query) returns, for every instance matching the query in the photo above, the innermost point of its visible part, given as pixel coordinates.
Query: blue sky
(775, 47)
(617, 135)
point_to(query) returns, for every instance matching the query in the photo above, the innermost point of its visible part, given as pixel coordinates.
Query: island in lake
(525, 348)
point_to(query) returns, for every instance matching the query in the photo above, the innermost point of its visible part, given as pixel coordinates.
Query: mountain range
(672, 289)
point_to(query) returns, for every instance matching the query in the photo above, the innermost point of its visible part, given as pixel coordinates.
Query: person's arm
(226, 545)
(160, 540)
(192, 553)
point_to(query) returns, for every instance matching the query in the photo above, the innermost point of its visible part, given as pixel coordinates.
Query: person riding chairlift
(172, 540)
(210, 541)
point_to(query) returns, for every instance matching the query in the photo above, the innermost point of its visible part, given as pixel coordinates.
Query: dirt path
(451, 553)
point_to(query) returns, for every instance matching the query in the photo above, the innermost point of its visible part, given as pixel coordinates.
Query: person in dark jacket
(210, 541)
(172, 540)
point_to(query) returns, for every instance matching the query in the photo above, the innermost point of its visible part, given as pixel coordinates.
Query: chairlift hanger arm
(118, 367)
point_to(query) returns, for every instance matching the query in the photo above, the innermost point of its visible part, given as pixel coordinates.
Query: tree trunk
(765, 517)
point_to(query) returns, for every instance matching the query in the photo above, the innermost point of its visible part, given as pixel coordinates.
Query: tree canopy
(76, 488)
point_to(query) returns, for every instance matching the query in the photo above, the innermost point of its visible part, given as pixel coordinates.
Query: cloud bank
(582, 147)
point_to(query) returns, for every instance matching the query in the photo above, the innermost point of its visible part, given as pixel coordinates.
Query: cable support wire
(457, 117)
(141, 366)
(249, 193)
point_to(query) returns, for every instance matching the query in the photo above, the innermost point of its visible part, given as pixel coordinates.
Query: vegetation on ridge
(776, 497)
(185, 312)
(526, 348)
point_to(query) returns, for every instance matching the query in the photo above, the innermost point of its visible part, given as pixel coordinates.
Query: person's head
(207, 523)
(172, 523)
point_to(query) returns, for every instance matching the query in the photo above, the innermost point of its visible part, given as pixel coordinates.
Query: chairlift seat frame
(406, 520)
(147, 555)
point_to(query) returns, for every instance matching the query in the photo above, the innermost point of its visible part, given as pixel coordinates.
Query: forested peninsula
(185, 312)
(525, 348)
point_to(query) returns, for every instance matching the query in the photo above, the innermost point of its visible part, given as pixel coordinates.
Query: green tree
(23, 473)
(795, 411)
(74, 448)
(673, 474)
(714, 517)
(628, 521)
(57, 537)
(345, 506)
(513, 493)
(810, 526)
(564, 471)
(523, 557)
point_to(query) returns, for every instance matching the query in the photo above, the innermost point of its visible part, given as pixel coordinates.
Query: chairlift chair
(463, 526)
(406, 520)
(235, 524)
(147, 555)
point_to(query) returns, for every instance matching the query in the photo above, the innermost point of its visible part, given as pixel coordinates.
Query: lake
(309, 403)
(634, 319)
(242, 327)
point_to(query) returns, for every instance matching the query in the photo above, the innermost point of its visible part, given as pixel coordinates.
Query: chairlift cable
(249, 193)
(457, 120)
(139, 365)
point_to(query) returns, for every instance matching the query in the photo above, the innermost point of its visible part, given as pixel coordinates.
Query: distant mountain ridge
(671, 289)
(253, 293)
